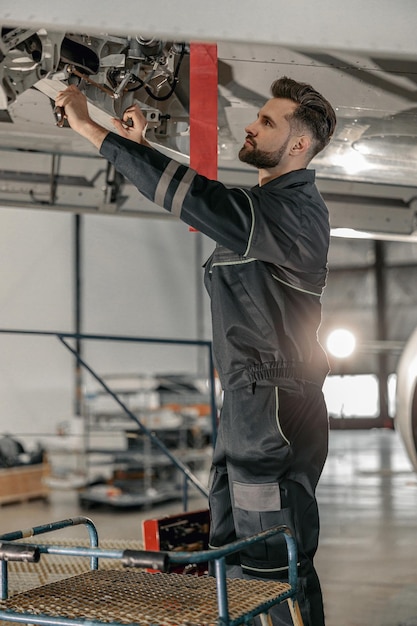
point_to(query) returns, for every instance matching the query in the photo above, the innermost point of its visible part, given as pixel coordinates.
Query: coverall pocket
(257, 507)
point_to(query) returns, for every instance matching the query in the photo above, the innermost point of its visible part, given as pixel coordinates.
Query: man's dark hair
(314, 112)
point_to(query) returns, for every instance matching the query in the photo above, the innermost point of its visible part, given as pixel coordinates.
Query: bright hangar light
(341, 343)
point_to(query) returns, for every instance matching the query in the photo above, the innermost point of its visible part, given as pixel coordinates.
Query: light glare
(341, 343)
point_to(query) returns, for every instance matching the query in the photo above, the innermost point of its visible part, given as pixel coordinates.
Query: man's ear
(300, 145)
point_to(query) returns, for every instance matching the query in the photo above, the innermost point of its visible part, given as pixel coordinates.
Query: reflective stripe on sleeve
(160, 198)
(181, 192)
(162, 187)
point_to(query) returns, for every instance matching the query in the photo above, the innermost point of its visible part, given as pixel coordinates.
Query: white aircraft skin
(405, 422)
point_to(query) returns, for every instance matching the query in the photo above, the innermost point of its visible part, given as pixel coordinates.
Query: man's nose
(250, 129)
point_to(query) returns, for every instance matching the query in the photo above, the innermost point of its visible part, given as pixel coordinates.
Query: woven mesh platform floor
(134, 596)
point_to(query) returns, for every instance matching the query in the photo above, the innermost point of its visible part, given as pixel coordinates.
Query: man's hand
(133, 125)
(74, 104)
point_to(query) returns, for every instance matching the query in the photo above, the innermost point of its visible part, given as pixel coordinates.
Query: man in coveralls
(265, 280)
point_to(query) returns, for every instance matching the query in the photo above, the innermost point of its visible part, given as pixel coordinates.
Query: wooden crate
(24, 482)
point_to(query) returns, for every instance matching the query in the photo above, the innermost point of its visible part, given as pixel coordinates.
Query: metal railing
(65, 337)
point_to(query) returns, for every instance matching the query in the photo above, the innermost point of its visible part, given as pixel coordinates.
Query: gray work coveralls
(265, 280)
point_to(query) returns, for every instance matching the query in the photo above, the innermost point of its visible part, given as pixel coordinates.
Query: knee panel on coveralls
(257, 507)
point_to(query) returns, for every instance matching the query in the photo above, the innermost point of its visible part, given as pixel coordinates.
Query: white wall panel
(35, 293)
(139, 278)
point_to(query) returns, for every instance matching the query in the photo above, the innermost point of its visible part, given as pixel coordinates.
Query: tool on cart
(187, 532)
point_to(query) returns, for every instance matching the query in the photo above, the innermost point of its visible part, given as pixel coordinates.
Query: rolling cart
(131, 596)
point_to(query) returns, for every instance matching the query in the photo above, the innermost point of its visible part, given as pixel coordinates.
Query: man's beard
(261, 159)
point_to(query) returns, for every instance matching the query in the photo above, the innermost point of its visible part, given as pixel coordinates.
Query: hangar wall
(139, 278)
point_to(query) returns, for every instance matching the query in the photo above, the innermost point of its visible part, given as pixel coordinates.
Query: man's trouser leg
(270, 451)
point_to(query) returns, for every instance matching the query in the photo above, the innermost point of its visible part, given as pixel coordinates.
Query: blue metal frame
(140, 558)
(40, 530)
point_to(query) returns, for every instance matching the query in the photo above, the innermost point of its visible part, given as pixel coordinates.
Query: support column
(78, 266)
(381, 321)
(203, 147)
(203, 108)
